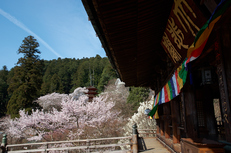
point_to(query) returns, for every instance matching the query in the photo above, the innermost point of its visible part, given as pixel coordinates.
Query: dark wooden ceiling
(131, 32)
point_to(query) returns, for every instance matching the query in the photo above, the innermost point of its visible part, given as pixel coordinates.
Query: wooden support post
(134, 139)
(167, 129)
(88, 144)
(166, 110)
(175, 120)
(161, 127)
(157, 126)
(224, 72)
(47, 145)
(190, 111)
(210, 119)
(4, 143)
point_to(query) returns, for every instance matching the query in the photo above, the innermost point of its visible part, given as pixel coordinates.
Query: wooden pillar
(157, 126)
(210, 119)
(161, 120)
(4, 143)
(190, 112)
(175, 119)
(224, 74)
(166, 111)
(161, 128)
(134, 139)
(167, 129)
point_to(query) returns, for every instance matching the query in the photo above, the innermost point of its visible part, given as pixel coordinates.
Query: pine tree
(26, 82)
(107, 74)
(4, 97)
(56, 84)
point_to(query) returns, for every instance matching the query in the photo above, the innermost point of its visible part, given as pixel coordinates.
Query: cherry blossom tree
(49, 101)
(78, 92)
(92, 118)
(77, 118)
(39, 125)
(75, 109)
(118, 93)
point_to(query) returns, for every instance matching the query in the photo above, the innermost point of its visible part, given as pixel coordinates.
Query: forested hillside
(61, 76)
(65, 75)
(33, 77)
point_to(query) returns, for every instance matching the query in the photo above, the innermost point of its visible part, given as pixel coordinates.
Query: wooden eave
(130, 32)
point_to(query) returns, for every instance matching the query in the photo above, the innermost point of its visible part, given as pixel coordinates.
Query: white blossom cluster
(49, 101)
(142, 121)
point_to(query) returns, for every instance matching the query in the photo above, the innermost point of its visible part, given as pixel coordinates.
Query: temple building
(181, 49)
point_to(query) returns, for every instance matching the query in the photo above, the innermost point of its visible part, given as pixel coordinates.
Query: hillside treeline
(62, 76)
(65, 75)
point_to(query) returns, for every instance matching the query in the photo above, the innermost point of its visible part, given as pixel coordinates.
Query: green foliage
(82, 75)
(4, 97)
(56, 84)
(65, 75)
(108, 74)
(27, 79)
(137, 95)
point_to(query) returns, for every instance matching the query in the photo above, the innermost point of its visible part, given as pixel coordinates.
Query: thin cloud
(22, 26)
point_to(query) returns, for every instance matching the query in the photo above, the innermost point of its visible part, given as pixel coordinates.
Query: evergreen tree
(56, 84)
(82, 75)
(45, 85)
(108, 74)
(26, 82)
(4, 97)
(137, 95)
(64, 75)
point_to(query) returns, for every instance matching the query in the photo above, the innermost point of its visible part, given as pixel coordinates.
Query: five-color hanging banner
(173, 87)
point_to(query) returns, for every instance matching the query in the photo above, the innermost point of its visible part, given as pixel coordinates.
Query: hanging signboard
(184, 22)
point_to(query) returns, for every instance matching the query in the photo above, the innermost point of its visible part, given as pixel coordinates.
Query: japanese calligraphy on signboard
(184, 22)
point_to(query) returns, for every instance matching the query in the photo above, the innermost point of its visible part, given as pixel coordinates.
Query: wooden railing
(147, 132)
(87, 145)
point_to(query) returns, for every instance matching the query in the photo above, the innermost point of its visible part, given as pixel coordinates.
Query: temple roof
(131, 32)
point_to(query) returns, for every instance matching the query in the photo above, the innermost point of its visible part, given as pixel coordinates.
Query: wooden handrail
(71, 148)
(133, 143)
(147, 132)
(146, 129)
(71, 141)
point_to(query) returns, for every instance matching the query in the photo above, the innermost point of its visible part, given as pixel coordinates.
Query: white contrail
(22, 26)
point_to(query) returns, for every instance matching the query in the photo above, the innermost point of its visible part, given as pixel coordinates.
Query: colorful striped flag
(202, 37)
(153, 113)
(174, 85)
(177, 81)
(171, 89)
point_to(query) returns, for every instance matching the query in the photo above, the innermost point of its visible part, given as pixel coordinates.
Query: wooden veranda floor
(151, 145)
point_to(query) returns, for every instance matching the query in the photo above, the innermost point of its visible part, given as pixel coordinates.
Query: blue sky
(61, 27)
